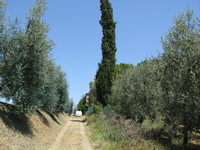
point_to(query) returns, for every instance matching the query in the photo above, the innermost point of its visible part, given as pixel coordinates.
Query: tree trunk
(141, 120)
(185, 139)
(185, 134)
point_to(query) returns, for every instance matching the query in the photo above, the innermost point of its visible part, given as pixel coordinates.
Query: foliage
(92, 93)
(166, 87)
(13, 64)
(24, 63)
(29, 75)
(93, 103)
(75, 109)
(70, 105)
(181, 74)
(121, 69)
(135, 94)
(2, 25)
(3, 34)
(82, 105)
(62, 89)
(37, 51)
(106, 71)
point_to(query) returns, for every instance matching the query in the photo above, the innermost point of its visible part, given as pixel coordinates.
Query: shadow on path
(82, 121)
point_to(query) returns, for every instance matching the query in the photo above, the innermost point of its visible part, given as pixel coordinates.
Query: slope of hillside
(31, 131)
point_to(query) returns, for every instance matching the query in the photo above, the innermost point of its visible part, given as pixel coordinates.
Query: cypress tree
(106, 71)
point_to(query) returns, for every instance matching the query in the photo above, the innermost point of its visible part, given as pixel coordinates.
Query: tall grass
(114, 132)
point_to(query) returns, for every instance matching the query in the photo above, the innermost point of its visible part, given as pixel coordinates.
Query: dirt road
(73, 136)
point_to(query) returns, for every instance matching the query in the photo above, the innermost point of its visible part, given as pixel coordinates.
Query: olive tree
(136, 92)
(180, 79)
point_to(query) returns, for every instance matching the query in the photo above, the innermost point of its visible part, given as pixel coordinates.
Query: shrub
(136, 94)
(120, 129)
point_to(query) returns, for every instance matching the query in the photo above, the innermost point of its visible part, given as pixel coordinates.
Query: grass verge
(115, 132)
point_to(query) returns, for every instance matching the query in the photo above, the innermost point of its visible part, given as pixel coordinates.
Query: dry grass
(30, 131)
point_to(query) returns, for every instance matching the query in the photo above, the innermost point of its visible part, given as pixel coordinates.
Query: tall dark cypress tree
(106, 71)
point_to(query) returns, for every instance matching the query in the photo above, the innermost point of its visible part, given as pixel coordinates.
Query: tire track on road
(56, 144)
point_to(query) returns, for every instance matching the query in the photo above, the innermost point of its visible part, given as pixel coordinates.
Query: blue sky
(75, 29)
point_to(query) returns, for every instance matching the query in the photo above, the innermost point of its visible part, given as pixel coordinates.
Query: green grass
(151, 135)
(158, 133)
(100, 135)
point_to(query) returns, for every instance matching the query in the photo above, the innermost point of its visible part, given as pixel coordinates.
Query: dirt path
(72, 137)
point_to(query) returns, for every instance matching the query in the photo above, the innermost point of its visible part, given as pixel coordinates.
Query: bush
(120, 129)
(136, 94)
(116, 130)
(92, 119)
